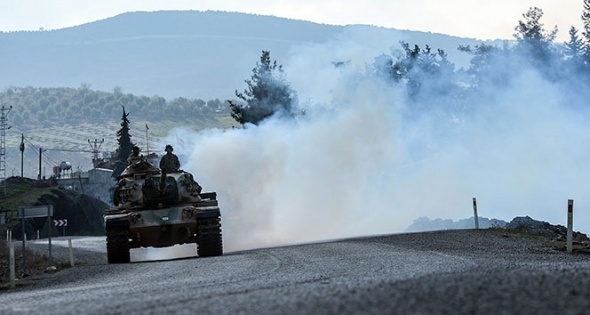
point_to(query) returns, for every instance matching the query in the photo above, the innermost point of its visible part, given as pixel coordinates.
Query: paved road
(451, 272)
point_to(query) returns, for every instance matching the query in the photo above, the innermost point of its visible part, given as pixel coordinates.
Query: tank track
(117, 246)
(209, 237)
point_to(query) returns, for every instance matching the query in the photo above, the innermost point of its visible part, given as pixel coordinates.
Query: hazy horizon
(456, 18)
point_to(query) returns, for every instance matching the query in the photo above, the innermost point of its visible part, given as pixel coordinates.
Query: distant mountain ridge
(180, 53)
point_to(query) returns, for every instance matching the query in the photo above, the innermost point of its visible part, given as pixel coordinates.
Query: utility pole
(95, 145)
(40, 151)
(22, 151)
(3, 127)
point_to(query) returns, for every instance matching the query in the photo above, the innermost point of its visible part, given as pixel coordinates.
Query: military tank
(155, 209)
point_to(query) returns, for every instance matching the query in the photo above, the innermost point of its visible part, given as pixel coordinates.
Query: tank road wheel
(117, 246)
(209, 237)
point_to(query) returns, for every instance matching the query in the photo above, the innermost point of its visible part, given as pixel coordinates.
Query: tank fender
(205, 214)
(115, 223)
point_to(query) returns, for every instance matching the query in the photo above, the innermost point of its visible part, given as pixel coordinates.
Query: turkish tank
(155, 209)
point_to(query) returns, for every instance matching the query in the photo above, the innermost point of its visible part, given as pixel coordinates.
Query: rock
(526, 223)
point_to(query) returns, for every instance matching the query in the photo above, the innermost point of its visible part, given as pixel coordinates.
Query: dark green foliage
(124, 138)
(268, 93)
(125, 145)
(422, 71)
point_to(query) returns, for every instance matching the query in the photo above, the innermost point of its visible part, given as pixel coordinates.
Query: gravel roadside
(37, 258)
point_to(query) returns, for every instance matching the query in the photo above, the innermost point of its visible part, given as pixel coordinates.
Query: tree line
(45, 106)
(430, 79)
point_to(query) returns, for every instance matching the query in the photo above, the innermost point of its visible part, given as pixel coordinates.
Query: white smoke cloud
(357, 164)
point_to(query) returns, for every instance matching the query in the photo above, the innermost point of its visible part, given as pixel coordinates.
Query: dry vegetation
(36, 263)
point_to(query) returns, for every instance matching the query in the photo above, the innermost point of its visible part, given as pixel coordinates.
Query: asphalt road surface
(450, 272)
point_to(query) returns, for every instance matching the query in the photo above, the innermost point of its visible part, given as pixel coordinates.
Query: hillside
(189, 54)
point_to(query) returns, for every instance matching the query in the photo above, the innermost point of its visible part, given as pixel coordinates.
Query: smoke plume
(360, 162)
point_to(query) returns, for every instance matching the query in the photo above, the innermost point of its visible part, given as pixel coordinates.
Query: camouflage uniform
(134, 157)
(169, 163)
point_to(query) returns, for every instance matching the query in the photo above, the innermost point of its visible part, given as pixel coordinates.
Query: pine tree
(268, 93)
(489, 66)
(425, 73)
(574, 48)
(125, 144)
(533, 40)
(586, 32)
(124, 138)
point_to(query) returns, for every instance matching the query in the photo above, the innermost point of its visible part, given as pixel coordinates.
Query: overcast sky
(481, 19)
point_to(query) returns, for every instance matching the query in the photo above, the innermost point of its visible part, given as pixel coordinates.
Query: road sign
(63, 222)
(35, 212)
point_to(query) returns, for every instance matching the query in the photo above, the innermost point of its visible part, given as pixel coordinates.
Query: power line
(43, 155)
(68, 150)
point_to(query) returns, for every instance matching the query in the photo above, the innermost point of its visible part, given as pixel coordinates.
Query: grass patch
(36, 264)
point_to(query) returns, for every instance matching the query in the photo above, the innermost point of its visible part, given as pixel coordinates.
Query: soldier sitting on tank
(169, 162)
(134, 157)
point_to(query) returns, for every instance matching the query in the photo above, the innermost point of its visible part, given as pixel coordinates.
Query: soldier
(169, 162)
(134, 157)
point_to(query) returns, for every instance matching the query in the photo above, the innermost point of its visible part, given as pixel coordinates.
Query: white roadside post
(12, 268)
(11, 259)
(71, 252)
(475, 214)
(570, 224)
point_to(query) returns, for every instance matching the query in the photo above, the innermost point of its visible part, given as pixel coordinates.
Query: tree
(586, 32)
(575, 46)
(490, 66)
(574, 53)
(533, 40)
(424, 73)
(125, 144)
(268, 93)
(124, 138)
